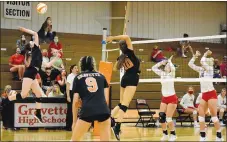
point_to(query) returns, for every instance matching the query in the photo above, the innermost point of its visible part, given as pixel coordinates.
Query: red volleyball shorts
(209, 95)
(196, 105)
(170, 100)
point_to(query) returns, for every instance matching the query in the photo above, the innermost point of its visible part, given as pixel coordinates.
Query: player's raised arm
(22, 29)
(125, 38)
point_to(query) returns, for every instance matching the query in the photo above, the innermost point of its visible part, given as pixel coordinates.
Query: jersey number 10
(127, 64)
(92, 85)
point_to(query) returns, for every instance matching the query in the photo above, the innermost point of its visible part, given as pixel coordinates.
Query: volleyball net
(146, 49)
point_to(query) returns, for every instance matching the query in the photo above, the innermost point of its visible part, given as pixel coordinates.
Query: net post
(104, 31)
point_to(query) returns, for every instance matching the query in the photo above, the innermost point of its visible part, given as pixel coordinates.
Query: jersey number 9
(92, 85)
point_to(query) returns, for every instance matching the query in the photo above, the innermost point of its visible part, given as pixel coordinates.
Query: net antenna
(105, 23)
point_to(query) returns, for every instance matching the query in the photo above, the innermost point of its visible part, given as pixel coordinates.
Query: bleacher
(76, 45)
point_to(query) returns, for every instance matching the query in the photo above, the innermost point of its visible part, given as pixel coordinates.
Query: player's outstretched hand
(197, 54)
(209, 52)
(21, 28)
(171, 58)
(109, 39)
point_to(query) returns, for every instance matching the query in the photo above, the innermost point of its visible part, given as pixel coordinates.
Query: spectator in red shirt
(223, 70)
(56, 45)
(16, 62)
(61, 80)
(157, 55)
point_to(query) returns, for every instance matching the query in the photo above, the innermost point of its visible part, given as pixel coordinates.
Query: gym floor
(129, 133)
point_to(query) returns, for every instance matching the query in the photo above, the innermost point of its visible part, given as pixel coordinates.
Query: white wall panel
(68, 17)
(171, 19)
(134, 22)
(145, 19)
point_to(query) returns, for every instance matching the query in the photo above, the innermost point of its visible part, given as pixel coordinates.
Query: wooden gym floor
(129, 133)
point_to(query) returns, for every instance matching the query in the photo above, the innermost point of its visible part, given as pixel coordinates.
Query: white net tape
(179, 80)
(201, 39)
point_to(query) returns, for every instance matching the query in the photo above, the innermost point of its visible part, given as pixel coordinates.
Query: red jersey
(58, 78)
(223, 69)
(16, 59)
(159, 56)
(37, 76)
(57, 46)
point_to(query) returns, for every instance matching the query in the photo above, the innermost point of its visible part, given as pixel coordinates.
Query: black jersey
(90, 86)
(36, 56)
(132, 63)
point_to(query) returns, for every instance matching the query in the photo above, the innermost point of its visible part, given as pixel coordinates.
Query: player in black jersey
(129, 81)
(33, 67)
(91, 87)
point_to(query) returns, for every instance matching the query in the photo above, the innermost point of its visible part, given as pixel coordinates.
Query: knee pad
(194, 112)
(201, 119)
(19, 97)
(162, 117)
(169, 119)
(119, 105)
(38, 100)
(124, 108)
(215, 119)
(222, 110)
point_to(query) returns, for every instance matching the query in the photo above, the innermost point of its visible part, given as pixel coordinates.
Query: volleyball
(41, 8)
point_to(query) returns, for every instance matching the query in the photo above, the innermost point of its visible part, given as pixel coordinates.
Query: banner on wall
(17, 10)
(53, 115)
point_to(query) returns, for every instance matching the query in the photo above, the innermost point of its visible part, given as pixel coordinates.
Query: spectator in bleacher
(58, 65)
(222, 105)
(223, 67)
(157, 55)
(6, 92)
(185, 45)
(21, 43)
(187, 102)
(47, 80)
(61, 80)
(216, 69)
(45, 59)
(69, 87)
(7, 109)
(56, 92)
(55, 46)
(45, 33)
(16, 63)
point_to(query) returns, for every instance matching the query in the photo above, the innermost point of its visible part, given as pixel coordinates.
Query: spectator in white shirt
(222, 104)
(45, 59)
(69, 87)
(187, 102)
